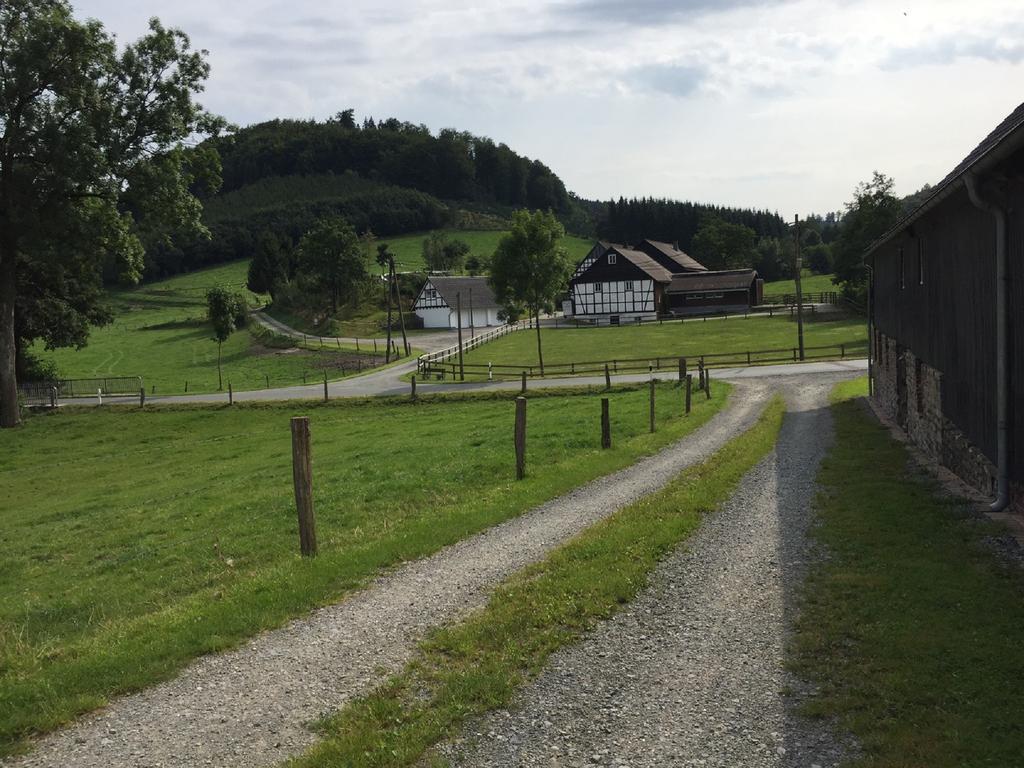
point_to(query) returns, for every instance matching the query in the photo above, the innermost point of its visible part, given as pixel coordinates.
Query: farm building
(945, 284)
(440, 297)
(617, 284)
(729, 290)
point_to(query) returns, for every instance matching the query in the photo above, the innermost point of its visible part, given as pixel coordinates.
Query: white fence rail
(425, 363)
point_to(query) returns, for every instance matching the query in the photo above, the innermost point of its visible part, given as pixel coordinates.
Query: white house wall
(436, 317)
(614, 298)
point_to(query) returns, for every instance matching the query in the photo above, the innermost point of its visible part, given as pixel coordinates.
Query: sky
(779, 105)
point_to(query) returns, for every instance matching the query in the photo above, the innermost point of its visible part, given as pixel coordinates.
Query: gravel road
(249, 707)
(690, 674)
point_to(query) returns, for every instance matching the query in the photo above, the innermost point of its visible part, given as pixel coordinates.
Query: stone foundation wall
(915, 404)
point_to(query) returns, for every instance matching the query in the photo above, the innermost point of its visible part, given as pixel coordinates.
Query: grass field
(478, 665)
(809, 283)
(160, 332)
(134, 541)
(671, 339)
(912, 628)
(408, 249)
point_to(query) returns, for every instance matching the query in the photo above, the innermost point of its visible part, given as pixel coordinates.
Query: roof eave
(1009, 144)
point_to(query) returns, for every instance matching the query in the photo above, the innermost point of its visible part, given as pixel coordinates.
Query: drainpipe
(1002, 368)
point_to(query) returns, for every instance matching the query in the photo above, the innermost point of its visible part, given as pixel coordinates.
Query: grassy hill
(408, 249)
(160, 332)
(809, 283)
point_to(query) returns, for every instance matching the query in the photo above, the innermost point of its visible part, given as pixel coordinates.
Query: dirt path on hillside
(250, 707)
(691, 673)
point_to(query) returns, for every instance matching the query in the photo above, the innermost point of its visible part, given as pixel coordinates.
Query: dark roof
(670, 257)
(1005, 138)
(643, 262)
(727, 280)
(448, 287)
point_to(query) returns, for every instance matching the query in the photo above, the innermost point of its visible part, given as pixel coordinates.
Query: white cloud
(781, 105)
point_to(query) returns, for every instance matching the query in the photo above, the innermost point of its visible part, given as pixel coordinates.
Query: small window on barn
(598, 287)
(629, 286)
(920, 262)
(611, 258)
(903, 269)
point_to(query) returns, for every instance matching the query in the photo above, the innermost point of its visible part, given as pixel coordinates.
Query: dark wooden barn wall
(949, 322)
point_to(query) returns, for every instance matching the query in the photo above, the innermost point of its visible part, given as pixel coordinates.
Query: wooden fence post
(700, 375)
(53, 396)
(607, 377)
(707, 384)
(520, 438)
(326, 396)
(682, 370)
(413, 387)
(523, 390)
(606, 425)
(302, 476)
(231, 395)
(186, 386)
(689, 388)
(652, 404)
(267, 377)
(142, 397)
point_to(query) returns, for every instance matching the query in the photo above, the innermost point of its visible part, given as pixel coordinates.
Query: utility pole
(387, 352)
(458, 315)
(799, 291)
(398, 301)
(472, 327)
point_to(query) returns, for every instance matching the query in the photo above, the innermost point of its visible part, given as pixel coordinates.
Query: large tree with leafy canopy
(331, 260)
(92, 168)
(873, 210)
(530, 269)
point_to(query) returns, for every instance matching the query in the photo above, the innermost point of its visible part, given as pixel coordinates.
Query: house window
(629, 286)
(611, 258)
(903, 269)
(920, 262)
(598, 287)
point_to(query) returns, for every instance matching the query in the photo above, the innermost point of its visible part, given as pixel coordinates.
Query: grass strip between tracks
(475, 666)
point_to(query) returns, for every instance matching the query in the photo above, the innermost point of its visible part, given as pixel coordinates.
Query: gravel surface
(691, 673)
(250, 707)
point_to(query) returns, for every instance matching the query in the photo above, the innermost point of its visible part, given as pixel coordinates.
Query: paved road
(389, 381)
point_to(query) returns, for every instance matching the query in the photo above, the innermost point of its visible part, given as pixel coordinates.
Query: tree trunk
(9, 415)
(540, 355)
(220, 377)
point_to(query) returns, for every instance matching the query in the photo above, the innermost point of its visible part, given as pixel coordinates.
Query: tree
(872, 212)
(268, 270)
(91, 168)
(224, 310)
(530, 269)
(433, 251)
(818, 258)
(455, 255)
(331, 259)
(720, 244)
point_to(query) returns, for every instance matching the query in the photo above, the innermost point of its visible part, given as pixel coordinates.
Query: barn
(617, 284)
(440, 297)
(945, 283)
(732, 290)
(614, 284)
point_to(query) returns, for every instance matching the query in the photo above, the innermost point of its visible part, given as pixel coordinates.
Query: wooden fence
(666, 362)
(430, 362)
(816, 297)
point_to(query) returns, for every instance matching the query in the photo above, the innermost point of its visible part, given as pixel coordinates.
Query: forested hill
(452, 165)
(672, 221)
(390, 177)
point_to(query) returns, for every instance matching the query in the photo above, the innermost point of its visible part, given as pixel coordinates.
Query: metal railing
(666, 362)
(45, 391)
